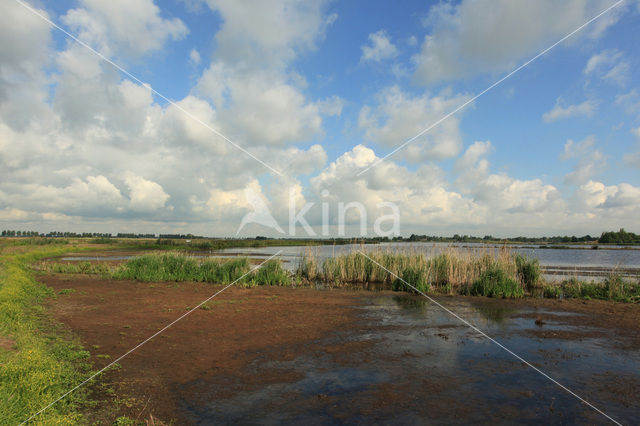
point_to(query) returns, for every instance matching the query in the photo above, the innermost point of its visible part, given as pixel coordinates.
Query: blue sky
(320, 90)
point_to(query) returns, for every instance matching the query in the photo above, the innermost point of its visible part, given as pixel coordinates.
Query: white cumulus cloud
(379, 48)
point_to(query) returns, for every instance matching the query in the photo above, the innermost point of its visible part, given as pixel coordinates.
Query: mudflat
(301, 355)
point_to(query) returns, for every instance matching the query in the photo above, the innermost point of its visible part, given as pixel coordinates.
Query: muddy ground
(272, 354)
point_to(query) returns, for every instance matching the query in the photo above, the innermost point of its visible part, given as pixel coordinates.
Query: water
(421, 365)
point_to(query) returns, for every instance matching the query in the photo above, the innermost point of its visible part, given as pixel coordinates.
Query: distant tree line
(487, 238)
(620, 237)
(20, 234)
(57, 234)
(179, 236)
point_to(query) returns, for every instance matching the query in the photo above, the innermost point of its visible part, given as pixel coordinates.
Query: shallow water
(421, 365)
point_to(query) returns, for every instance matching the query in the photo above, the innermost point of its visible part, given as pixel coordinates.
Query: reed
(452, 270)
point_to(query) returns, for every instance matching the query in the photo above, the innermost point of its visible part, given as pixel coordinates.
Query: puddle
(420, 365)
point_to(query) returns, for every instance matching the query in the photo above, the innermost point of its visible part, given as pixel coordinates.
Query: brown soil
(222, 343)
(6, 344)
(241, 324)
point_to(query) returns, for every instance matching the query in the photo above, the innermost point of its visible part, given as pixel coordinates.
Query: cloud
(24, 53)
(429, 203)
(145, 195)
(331, 106)
(559, 112)
(83, 149)
(474, 155)
(472, 165)
(616, 200)
(248, 38)
(632, 159)
(261, 107)
(379, 48)
(194, 57)
(420, 195)
(610, 66)
(257, 97)
(479, 36)
(499, 193)
(122, 26)
(630, 102)
(589, 161)
(399, 116)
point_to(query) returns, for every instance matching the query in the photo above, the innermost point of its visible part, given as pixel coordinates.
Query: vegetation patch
(42, 365)
(613, 288)
(447, 272)
(496, 283)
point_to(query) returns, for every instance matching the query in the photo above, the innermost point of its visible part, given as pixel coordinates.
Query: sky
(296, 106)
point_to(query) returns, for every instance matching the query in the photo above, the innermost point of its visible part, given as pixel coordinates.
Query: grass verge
(41, 364)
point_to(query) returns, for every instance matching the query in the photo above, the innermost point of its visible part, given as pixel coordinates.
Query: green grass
(496, 283)
(178, 267)
(528, 271)
(613, 288)
(77, 268)
(271, 273)
(43, 364)
(416, 279)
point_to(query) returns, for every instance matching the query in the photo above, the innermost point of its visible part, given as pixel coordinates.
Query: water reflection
(420, 365)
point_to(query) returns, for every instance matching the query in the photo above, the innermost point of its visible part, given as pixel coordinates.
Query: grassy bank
(38, 365)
